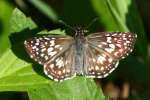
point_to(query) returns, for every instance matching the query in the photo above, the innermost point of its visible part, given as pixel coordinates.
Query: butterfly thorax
(79, 44)
(79, 35)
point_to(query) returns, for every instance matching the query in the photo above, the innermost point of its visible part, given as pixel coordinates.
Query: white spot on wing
(50, 49)
(100, 46)
(59, 72)
(64, 70)
(52, 53)
(101, 59)
(109, 50)
(57, 46)
(110, 60)
(109, 39)
(52, 43)
(46, 43)
(46, 57)
(102, 68)
(60, 63)
(42, 50)
(47, 38)
(112, 46)
(37, 43)
(118, 45)
(53, 38)
(42, 54)
(96, 68)
(60, 48)
(94, 60)
(52, 66)
(34, 47)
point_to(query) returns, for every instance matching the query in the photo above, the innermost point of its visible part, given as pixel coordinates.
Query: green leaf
(105, 8)
(20, 22)
(17, 75)
(5, 13)
(122, 15)
(55, 31)
(76, 89)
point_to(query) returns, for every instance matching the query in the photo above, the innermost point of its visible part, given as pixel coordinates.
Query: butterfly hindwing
(98, 63)
(62, 67)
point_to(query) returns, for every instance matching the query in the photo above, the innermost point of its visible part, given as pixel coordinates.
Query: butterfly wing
(61, 67)
(117, 44)
(44, 48)
(104, 51)
(98, 63)
(54, 53)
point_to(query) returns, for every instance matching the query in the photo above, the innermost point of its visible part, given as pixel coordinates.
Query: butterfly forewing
(44, 48)
(98, 63)
(117, 44)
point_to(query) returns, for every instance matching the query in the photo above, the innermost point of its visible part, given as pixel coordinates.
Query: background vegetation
(21, 78)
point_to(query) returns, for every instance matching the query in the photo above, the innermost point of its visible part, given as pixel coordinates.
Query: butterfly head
(80, 32)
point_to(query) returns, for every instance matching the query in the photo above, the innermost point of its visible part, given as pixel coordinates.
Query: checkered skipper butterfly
(95, 55)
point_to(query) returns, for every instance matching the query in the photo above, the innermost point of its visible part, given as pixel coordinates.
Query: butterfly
(93, 56)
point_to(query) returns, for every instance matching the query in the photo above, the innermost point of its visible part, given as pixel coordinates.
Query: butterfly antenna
(65, 24)
(91, 23)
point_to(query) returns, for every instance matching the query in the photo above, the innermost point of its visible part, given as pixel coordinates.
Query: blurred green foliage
(5, 13)
(19, 73)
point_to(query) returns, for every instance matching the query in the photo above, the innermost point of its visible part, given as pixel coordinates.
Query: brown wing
(98, 63)
(42, 49)
(104, 50)
(117, 44)
(61, 67)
